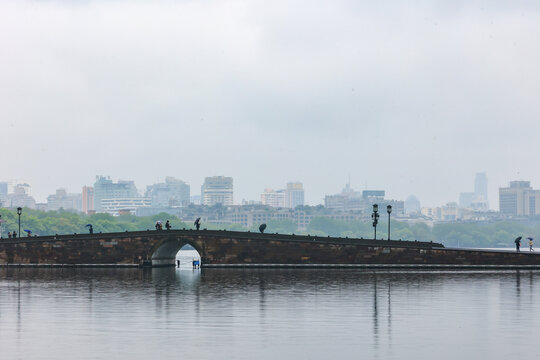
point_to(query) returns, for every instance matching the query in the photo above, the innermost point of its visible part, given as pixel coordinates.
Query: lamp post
(19, 212)
(389, 211)
(0, 226)
(375, 218)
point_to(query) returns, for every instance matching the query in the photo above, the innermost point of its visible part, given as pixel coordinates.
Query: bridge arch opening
(172, 250)
(188, 257)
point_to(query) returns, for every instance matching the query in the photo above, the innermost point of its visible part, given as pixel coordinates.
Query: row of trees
(498, 234)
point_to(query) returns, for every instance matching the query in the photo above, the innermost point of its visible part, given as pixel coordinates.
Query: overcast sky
(410, 98)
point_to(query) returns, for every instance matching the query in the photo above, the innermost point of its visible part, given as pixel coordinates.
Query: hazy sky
(410, 98)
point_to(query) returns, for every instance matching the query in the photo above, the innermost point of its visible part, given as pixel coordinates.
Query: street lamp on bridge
(19, 212)
(375, 218)
(389, 210)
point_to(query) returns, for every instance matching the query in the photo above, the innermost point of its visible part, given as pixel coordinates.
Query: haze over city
(412, 99)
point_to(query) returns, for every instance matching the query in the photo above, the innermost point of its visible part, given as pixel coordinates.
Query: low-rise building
(115, 206)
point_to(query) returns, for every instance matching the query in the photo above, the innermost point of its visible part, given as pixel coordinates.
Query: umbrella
(529, 238)
(197, 221)
(28, 231)
(262, 227)
(518, 238)
(90, 225)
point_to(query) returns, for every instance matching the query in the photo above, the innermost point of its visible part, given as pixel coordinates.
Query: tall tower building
(87, 199)
(217, 190)
(481, 186)
(295, 194)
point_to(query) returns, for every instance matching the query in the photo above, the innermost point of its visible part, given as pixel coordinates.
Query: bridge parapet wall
(229, 248)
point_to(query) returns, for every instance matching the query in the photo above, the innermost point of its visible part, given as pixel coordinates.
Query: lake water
(173, 313)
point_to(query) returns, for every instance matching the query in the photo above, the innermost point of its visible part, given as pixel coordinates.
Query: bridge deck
(227, 234)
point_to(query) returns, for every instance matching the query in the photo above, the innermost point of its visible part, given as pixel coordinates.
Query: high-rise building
(373, 196)
(173, 192)
(217, 190)
(21, 196)
(481, 186)
(477, 200)
(274, 198)
(3, 188)
(295, 194)
(291, 197)
(350, 200)
(87, 199)
(104, 188)
(519, 199)
(62, 200)
(449, 212)
(466, 199)
(3, 193)
(347, 200)
(412, 205)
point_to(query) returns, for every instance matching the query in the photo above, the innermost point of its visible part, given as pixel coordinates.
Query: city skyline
(312, 198)
(481, 186)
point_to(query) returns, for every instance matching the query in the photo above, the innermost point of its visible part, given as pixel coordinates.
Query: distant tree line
(497, 234)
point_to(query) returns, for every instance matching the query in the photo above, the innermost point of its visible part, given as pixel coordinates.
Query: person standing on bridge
(9, 235)
(530, 243)
(167, 225)
(518, 243)
(14, 234)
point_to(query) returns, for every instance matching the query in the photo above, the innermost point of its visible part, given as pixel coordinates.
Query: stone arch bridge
(245, 249)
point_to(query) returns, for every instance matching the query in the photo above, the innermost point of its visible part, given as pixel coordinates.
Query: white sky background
(410, 98)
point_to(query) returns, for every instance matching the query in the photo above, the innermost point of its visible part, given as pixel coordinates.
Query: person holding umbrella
(518, 243)
(90, 228)
(530, 243)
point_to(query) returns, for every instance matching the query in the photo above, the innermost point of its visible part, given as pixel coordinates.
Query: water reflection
(285, 313)
(375, 313)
